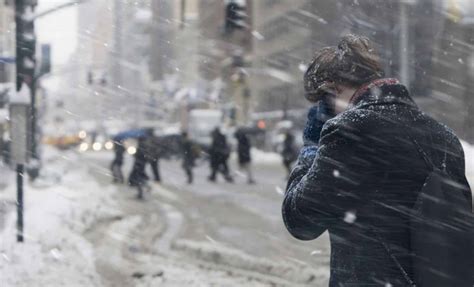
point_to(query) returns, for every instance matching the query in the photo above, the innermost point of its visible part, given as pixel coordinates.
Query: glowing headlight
(82, 134)
(109, 145)
(131, 150)
(83, 146)
(97, 146)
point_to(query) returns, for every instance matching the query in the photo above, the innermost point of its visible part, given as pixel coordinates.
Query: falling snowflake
(350, 217)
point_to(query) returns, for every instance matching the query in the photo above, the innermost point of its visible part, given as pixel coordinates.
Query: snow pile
(262, 157)
(174, 274)
(224, 256)
(54, 252)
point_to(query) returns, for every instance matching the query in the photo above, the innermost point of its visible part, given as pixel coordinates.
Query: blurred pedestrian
(243, 153)
(190, 153)
(289, 152)
(153, 152)
(219, 153)
(138, 177)
(374, 159)
(116, 166)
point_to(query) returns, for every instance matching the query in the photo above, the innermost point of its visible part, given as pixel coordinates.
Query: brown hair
(353, 62)
(356, 61)
(317, 78)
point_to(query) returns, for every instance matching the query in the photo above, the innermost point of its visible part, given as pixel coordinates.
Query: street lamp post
(19, 113)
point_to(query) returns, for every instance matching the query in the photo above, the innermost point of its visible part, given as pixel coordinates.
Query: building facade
(7, 42)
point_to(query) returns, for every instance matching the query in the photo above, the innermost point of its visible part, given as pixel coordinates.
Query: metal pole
(183, 10)
(404, 69)
(19, 195)
(34, 119)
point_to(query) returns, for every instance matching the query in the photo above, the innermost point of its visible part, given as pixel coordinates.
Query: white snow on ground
(261, 157)
(56, 214)
(220, 254)
(62, 206)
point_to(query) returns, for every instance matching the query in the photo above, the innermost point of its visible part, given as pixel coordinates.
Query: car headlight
(97, 146)
(83, 147)
(109, 145)
(132, 150)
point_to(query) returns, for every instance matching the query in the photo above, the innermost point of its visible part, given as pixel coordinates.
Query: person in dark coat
(152, 149)
(243, 153)
(289, 153)
(219, 153)
(189, 153)
(365, 173)
(116, 166)
(138, 176)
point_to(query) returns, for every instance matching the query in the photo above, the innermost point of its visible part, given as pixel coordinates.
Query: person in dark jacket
(243, 153)
(152, 149)
(365, 173)
(116, 166)
(138, 176)
(189, 153)
(219, 153)
(289, 153)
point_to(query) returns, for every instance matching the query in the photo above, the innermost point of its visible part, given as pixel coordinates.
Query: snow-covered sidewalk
(57, 212)
(74, 223)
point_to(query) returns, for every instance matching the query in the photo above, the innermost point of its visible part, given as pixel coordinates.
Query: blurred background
(89, 70)
(126, 63)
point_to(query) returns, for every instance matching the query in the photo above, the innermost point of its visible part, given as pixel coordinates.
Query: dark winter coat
(219, 150)
(364, 176)
(243, 148)
(152, 148)
(119, 150)
(189, 152)
(138, 176)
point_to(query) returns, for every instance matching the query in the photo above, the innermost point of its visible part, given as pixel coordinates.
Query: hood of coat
(381, 91)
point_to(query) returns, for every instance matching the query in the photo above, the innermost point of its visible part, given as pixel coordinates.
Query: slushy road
(238, 216)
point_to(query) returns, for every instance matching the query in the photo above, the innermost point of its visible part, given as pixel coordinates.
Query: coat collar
(381, 91)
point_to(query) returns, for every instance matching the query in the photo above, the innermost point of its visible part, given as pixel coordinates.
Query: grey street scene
(237, 143)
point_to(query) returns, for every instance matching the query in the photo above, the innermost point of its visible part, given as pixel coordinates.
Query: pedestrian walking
(219, 153)
(374, 167)
(153, 152)
(243, 153)
(116, 166)
(289, 153)
(189, 154)
(138, 177)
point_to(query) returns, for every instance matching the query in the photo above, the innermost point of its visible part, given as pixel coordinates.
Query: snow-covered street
(93, 233)
(81, 230)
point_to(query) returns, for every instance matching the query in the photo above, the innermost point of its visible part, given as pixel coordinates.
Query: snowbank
(221, 255)
(56, 214)
(263, 157)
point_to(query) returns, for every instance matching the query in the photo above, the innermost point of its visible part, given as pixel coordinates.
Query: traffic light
(25, 45)
(235, 15)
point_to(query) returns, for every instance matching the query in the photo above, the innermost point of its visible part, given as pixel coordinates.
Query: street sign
(19, 117)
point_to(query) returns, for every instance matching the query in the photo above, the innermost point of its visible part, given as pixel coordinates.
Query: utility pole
(404, 41)
(117, 69)
(403, 49)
